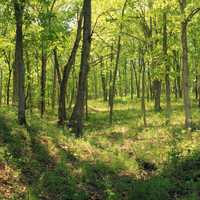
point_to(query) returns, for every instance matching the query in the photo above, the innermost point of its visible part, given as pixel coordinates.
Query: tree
(19, 60)
(184, 43)
(76, 120)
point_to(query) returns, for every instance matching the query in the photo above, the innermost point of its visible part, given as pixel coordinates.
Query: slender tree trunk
(104, 82)
(54, 87)
(167, 67)
(143, 106)
(67, 69)
(132, 80)
(125, 79)
(76, 120)
(8, 61)
(8, 86)
(43, 80)
(56, 66)
(113, 88)
(15, 85)
(186, 87)
(19, 61)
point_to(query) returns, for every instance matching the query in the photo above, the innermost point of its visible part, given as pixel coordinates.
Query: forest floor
(121, 162)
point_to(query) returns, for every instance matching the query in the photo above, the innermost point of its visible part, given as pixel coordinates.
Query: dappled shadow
(42, 173)
(95, 179)
(100, 120)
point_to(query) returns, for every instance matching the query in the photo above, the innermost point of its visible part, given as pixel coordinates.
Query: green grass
(44, 161)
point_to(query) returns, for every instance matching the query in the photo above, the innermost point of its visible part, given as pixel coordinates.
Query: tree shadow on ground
(98, 179)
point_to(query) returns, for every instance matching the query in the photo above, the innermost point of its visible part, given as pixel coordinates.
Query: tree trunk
(186, 87)
(67, 69)
(15, 85)
(132, 80)
(19, 61)
(185, 68)
(167, 67)
(113, 88)
(157, 94)
(143, 106)
(76, 120)
(104, 82)
(43, 80)
(54, 87)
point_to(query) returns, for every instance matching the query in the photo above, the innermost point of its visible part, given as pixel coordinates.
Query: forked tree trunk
(67, 69)
(76, 120)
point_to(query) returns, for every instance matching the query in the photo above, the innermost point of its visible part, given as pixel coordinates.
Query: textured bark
(76, 120)
(19, 60)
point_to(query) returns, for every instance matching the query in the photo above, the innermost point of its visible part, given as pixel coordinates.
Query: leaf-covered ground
(123, 161)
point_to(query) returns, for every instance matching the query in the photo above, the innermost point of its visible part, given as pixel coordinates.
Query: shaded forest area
(99, 100)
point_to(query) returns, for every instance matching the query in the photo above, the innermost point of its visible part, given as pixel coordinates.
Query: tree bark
(104, 82)
(157, 94)
(167, 67)
(76, 120)
(67, 69)
(19, 60)
(113, 88)
(43, 80)
(143, 106)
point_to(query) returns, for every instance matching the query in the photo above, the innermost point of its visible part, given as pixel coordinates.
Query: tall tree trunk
(185, 68)
(8, 61)
(54, 85)
(167, 67)
(143, 106)
(15, 85)
(56, 66)
(125, 79)
(186, 87)
(43, 80)
(8, 85)
(132, 80)
(76, 120)
(104, 82)
(19, 60)
(67, 69)
(113, 88)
